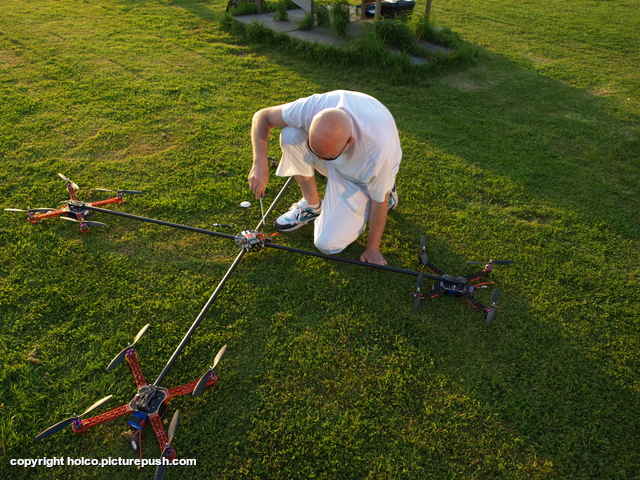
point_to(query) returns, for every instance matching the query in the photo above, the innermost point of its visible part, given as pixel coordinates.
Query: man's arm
(377, 222)
(263, 122)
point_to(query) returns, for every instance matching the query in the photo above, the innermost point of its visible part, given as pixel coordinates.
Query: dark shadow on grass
(553, 402)
(199, 8)
(567, 156)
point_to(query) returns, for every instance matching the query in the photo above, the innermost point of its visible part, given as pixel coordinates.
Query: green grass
(532, 155)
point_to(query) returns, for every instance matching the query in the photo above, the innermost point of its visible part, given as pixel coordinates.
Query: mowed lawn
(532, 154)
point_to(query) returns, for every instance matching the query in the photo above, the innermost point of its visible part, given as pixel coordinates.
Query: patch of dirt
(8, 58)
(602, 92)
(473, 80)
(534, 59)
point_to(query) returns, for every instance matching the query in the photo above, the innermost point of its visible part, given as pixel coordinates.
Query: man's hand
(373, 256)
(377, 221)
(258, 179)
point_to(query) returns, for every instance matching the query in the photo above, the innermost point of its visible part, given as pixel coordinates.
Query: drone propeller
(491, 313)
(30, 210)
(423, 252)
(130, 192)
(60, 425)
(490, 262)
(119, 357)
(416, 295)
(66, 179)
(202, 383)
(167, 451)
(90, 223)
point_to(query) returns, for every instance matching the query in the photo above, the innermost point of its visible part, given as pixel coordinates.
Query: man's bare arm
(377, 222)
(263, 122)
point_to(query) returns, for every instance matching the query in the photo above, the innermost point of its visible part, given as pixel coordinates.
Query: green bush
(282, 15)
(398, 35)
(423, 30)
(304, 23)
(340, 16)
(244, 8)
(322, 15)
(371, 49)
(249, 8)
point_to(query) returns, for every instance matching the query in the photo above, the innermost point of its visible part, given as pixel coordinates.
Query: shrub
(340, 16)
(322, 15)
(281, 13)
(423, 30)
(398, 35)
(243, 8)
(305, 22)
(250, 7)
(371, 49)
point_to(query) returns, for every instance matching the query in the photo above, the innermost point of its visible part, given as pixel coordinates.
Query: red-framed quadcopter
(73, 209)
(457, 286)
(148, 406)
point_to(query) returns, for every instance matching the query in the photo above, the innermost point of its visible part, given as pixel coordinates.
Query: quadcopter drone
(73, 210)
(150, 401)
(147, 406)
(457, 286)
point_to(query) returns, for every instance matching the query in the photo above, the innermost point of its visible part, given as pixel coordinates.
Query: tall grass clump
(321, 18)
(305, 22)
(340, 17)
(398, 35)
(243, 8)
(423, 30)
(371, 47)
(321, 12)
(250, 8)
(282, 15)
(256, 32)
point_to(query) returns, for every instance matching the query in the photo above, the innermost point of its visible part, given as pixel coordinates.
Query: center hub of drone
(454, 285)
(76, 207)
(75, 204)
(249, 240)
(148, 400)
(452, 279)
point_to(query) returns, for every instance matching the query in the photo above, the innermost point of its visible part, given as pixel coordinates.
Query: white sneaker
(298, 215)
(393, 198)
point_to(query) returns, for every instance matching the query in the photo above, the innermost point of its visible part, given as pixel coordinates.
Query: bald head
(329, 132)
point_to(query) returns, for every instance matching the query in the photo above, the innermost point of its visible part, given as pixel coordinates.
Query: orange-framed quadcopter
(74, 210)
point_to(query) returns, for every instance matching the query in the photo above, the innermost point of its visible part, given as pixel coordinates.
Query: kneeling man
(350, 138)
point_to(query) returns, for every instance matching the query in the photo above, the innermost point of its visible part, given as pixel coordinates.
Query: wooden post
(378, 10)
(259, 6)
(312, 14)
(363, 10)
(427, 11)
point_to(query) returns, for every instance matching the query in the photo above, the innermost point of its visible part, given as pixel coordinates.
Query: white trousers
(345, 208)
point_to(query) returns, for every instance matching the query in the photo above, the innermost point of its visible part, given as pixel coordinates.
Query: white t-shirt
(374, 158)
